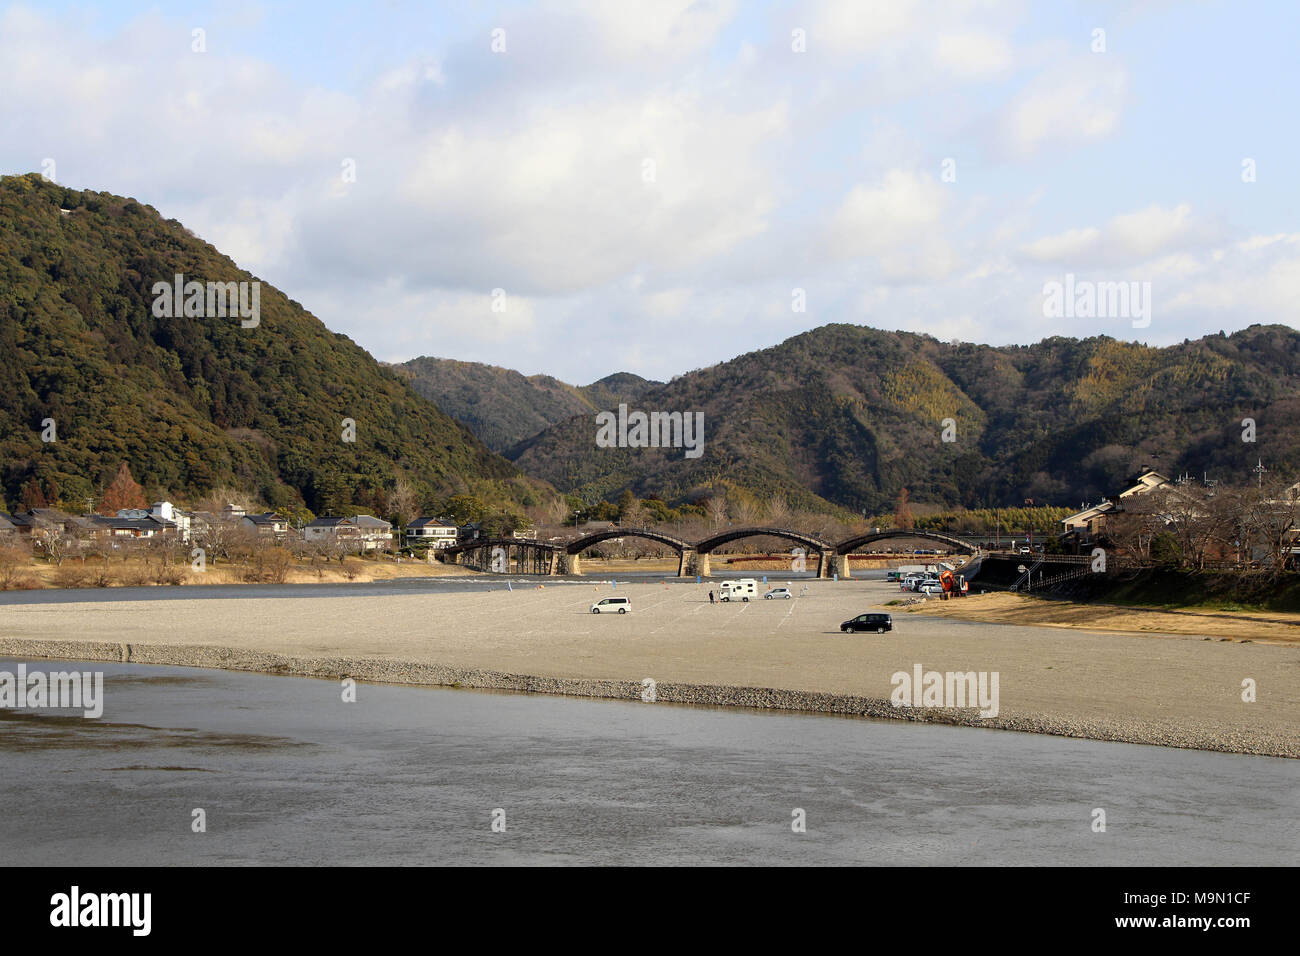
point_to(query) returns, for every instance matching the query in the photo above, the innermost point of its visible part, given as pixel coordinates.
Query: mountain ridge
(194, 403)
(502, 406)
(845, 416)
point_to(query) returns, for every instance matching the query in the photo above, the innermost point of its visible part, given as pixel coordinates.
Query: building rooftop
(430, 523)
(268, 517)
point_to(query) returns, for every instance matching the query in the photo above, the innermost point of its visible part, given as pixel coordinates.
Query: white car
(622, 605)
(782, 593)
(931, 587)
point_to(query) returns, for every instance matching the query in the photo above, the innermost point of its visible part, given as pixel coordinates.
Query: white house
(431, 533)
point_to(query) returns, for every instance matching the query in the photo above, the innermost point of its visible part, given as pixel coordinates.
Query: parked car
(868, 622)
(622, 605)
(741, 589)
(782, 593)
(930, 587)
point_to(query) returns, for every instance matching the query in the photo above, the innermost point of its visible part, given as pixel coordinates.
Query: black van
(869, 622)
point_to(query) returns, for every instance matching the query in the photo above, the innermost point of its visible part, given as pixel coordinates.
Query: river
(288, 773)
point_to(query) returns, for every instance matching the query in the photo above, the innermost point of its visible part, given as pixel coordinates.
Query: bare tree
(556, 510)
(778, 511)
(216, 537)
(1271, 520)
(53, 542)
(717, 510)
(217, 499)
(1131, 530)
(15, 559)
(1195, 516)
(634, 515)
(744, 510)
(402, 502)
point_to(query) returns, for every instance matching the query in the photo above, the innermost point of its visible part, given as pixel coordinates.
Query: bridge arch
(850, 545)
(734, 534)
(476, 543)
(582, 544)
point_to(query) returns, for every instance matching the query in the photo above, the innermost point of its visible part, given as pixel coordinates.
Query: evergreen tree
(33, 497)
(903, 514)
(123, 493)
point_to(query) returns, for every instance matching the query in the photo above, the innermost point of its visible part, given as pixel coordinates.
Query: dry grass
(1271, 627)
(18, 571)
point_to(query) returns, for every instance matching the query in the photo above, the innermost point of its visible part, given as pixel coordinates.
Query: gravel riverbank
(1174, 691)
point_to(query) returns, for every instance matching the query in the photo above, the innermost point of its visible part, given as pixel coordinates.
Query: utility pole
(1259, 469)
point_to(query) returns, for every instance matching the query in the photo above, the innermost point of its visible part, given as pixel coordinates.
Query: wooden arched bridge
(515, 556)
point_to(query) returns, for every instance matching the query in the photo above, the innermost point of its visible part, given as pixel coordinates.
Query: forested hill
(503, 407)
(847, 415)
(194, 403)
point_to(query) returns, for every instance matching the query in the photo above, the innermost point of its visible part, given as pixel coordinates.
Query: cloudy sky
(656, 183)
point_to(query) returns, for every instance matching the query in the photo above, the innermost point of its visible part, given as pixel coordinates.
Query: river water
(288, 773)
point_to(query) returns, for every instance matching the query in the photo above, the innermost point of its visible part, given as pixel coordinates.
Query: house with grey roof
(267, 524)
(359, 532)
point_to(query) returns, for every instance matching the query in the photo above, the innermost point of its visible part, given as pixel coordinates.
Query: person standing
(713, 598)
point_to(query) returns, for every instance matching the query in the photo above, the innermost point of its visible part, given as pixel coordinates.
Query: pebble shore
(392, 671)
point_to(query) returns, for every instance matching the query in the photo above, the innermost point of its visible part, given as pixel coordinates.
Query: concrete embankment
(672, 692)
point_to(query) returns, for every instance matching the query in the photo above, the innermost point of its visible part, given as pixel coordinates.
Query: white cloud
(525, 172)
(1076, 102)
(1127, 238)
(900, 222)
(975, 54)
(860, 26)
(1258, 278)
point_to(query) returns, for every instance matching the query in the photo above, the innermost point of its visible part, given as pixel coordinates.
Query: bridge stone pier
(693, 563)
(833, 564)
(686, 561)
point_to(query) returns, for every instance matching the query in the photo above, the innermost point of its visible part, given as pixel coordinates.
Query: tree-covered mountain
(193, 403)
(503, 407)
(847, 416)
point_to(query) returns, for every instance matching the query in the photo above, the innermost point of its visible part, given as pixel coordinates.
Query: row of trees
(165, 559)
(399, 505)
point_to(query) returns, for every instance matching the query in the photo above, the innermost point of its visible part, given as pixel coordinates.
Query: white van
(622, 605)
(741, 589)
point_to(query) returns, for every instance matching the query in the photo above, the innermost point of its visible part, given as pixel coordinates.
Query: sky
(579, 188)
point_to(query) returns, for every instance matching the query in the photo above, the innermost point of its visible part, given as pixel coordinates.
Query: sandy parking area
(1171, 689)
